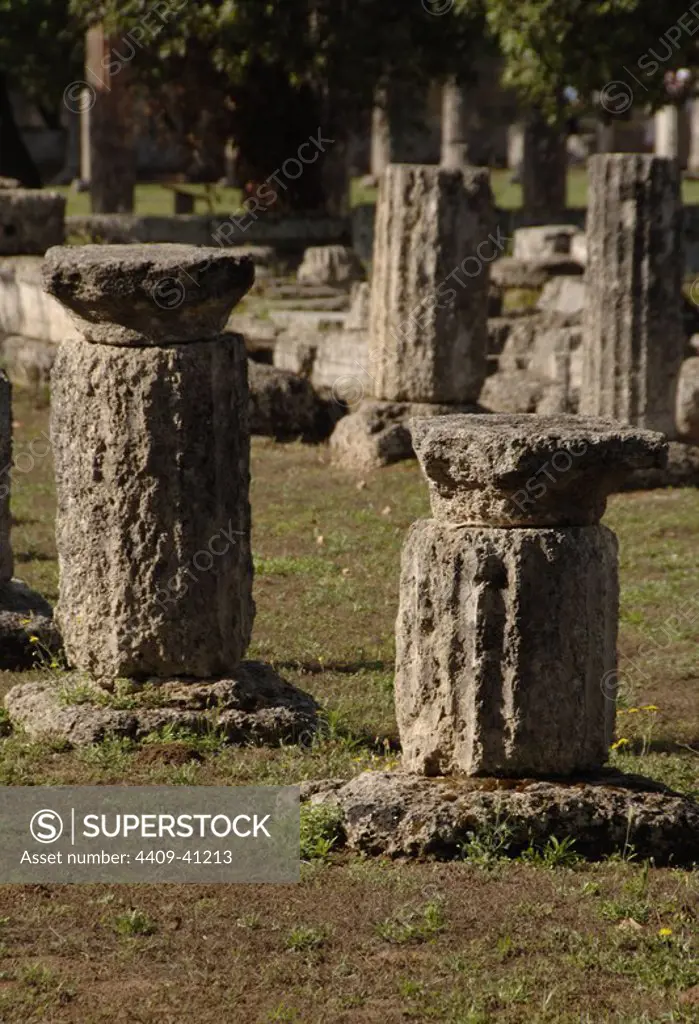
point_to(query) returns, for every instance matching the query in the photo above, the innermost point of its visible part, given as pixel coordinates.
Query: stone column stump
(507, 624)
(633, 341)
(506, 655)
(149, 424)
(434, 240)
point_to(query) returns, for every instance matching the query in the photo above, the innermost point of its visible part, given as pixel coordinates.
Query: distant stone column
(507, 622)
(149, 424)
(5, 467)
(111, 123)
(693, 132)
(434, 241)
(633, 341)
(454, 125)
(429, 289)
(667, 131)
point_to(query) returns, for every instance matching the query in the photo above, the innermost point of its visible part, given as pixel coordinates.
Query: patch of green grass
(321, 831)
(410, 926)
(133, 923)
(304, 939)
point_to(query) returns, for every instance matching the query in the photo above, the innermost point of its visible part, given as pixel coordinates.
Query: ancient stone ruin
(509, 595)
(151, 444)
(506, 650)
(634, 337)
(433, 243)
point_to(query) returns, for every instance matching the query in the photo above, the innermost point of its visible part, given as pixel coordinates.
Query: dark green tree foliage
(270, 74)
(627, 45)
(39, 54)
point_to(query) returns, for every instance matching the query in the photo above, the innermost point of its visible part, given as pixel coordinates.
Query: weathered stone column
(633, 334)
(429, 288)
(151, 447)
(149, 425)
(434, 241)
(507, 625)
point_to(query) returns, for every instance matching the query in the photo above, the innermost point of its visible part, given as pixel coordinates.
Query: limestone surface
(31, 221)
(254, 705)
(28, 632)
(5, 472)
(376, 434)
(520, 470)
(687, 412)
(151, 449)
(399, 815)
(503, 641)
(433, 245)
(634, 337)
(139, 295)
(285, 406)
(334, 265)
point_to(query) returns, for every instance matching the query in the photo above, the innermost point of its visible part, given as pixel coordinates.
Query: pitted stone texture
(520, 470)
(285, 406)
(5, 470)
(687, 414)
(399, 815)
(25, 618)
(634, 337)
(31, 221)
(151, 450)
(254, 706)
(377, 434)
(139, 295)
(428, 332)
(335, 265)
(504, 641)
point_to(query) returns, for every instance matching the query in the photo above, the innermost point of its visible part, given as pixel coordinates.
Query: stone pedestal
(633, 333)
(151, 444)
(434, 242)
(506, 630)
(31, 221)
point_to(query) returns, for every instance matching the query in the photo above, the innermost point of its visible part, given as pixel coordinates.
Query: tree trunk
(454, 129)
(15, 158)
(112, 153)
(544, 170)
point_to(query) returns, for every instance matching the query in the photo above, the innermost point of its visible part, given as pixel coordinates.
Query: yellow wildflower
(632, 711)
(649, 707)
(664, 933)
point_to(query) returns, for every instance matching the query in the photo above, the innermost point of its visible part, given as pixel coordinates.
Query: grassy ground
(357, 942)
(156, 199)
